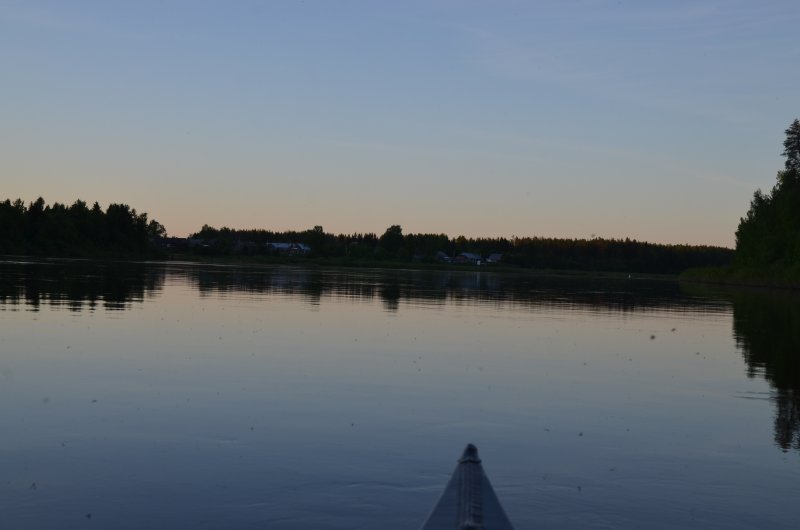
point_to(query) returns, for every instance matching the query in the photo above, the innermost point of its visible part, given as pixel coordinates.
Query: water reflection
(230, 382)
(766, 327)
(80, 285)
(394, 288)
(77, 285)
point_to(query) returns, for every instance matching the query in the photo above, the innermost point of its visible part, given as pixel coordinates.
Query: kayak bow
(469, 501)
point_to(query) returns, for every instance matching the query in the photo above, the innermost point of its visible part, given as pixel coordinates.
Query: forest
(39, 229)
(767, 239)
(768, 236)
(58, 230)
(596, 254)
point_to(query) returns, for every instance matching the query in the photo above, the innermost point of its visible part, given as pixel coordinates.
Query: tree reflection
(396, 288)
(390, 295)
(77, 285)
(81, 285)
(766, 327)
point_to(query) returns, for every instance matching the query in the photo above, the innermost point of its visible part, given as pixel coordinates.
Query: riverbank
(350, 263)
(340, 264)
(771, 278)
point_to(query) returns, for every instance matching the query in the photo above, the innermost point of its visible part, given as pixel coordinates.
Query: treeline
(597, 254)
(77, 230)
(82, 231)
(620, 255)
(768, 237)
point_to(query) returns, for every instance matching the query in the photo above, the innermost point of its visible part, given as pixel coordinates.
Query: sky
(650, 120)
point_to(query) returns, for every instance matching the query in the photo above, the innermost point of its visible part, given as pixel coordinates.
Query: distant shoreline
(338, 264)
(776, 279)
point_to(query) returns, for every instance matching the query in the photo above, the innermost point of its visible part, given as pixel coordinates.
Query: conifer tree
(791, 150)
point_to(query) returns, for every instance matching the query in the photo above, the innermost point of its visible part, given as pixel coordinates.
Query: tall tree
(791, 150)
(769, 235)
(392, 240)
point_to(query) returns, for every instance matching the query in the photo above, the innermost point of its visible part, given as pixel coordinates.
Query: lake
(177, 395)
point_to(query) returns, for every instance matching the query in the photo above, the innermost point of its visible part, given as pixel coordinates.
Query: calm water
(181, 396)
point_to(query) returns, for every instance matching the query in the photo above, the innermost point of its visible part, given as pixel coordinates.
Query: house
(172, 243)
(196, 242)
(441, 257)
(494, 258)
(278, 248)
(468, 258)
(288, 249)
(299, 249)
(240, 247)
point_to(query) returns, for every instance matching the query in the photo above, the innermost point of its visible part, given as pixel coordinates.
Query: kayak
(469, 501)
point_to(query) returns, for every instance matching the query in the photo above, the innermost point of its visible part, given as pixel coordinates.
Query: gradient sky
(650, 120)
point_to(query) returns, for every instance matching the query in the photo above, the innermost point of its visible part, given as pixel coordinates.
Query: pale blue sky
(649, 120)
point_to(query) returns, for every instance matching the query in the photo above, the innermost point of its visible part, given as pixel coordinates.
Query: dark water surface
(183, 396)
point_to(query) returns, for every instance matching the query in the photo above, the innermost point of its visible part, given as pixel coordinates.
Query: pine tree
(792, 151)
